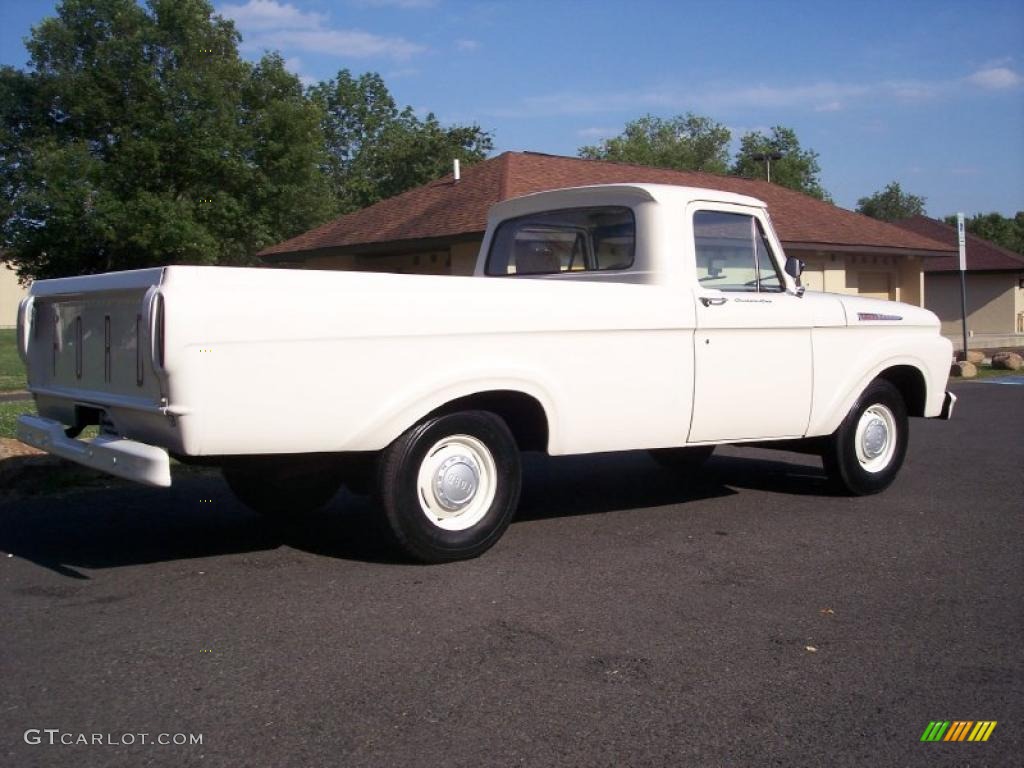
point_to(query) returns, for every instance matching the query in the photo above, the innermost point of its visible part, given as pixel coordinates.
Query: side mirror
(794, 268)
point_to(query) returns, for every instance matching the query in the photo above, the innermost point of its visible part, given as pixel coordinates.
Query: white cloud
(467, 45)
(294, 65)
(406, 4)
(597, 133)
(823, 96)
(266, 24)
(267, 14)
(995, 78)
(396, 74)
(337, 42)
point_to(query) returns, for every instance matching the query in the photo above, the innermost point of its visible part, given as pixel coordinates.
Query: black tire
(847, 469)
(686, 460)
(489, 491)
(283, 487)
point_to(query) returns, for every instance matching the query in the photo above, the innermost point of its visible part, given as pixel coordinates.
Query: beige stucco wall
(10, 294)
(443, 261)
(995, 301)
(464, 256)
(1018, 305)
(898, 278)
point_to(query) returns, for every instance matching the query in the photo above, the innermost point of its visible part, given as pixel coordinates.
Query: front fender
(843, 368)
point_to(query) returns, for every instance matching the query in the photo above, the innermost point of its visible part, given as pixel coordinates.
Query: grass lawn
(12, 372)
(9, 413)
(987, 372)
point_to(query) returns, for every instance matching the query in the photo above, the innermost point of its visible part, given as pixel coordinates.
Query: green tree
(996, 228)
(686, 142)
(139, 137)
(796, 168)
(891, 204)
(375, 150)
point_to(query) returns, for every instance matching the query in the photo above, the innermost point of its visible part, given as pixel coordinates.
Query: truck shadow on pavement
(198, 517)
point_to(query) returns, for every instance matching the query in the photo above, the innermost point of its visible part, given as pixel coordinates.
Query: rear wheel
(283, 486)
(450, 485)
(865, 454)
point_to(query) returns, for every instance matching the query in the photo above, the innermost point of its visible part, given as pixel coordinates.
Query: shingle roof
(982, 255)
(444, 208)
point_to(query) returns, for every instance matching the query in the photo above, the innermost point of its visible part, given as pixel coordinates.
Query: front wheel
(865, 454)
(450, 485)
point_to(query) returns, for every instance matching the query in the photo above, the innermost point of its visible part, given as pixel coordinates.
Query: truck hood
(861, 310)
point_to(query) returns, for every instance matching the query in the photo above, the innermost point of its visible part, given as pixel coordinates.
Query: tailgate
(95, 339)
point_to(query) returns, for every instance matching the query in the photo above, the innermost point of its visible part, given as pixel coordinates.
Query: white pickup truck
(605, 318)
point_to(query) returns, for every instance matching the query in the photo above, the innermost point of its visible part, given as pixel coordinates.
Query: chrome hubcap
(456, 482)
(875, 439)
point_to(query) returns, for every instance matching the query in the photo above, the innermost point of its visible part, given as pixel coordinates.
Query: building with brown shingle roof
(437, 228)
(995, 283)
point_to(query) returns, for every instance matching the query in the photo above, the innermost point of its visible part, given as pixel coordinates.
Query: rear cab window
(567, 241)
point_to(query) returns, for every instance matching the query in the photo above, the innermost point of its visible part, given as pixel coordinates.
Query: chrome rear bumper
(124, 458)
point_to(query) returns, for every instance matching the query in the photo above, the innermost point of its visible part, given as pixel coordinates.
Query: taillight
(26, 321)
(139, 370)
(158, 330)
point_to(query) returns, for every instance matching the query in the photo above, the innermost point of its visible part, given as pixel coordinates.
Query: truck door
(752, 345)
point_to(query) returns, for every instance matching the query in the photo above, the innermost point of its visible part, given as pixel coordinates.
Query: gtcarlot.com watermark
(55, 736)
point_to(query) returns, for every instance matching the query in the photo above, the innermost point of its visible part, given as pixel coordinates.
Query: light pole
(767, 157)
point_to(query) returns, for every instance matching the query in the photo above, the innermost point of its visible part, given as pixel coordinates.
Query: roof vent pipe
(458, 175)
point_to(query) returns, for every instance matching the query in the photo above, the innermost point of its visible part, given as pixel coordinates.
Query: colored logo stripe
(958, 730)
(935, 730)
(982, 730)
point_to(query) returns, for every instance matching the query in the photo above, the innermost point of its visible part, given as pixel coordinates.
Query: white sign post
(962, 238)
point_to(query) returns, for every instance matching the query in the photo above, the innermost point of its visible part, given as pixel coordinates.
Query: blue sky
(930, 94)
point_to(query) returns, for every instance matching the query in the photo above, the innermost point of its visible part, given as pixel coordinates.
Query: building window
(567, 241)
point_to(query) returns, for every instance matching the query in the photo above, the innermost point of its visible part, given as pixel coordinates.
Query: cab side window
(733, 254)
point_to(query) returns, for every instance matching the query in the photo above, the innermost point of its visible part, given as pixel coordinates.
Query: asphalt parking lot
(626, 618)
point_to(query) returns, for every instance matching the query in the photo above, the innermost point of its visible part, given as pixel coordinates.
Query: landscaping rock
(973, 356)
(1007, 361)
(963, 369)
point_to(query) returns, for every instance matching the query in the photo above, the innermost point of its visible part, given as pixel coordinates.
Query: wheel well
(523, 414)
(911, 384)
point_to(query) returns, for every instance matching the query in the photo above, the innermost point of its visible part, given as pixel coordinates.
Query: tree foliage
(694, 143)
(375, 150)
(139, 137)
(996, 228)
(797, 168)
(686, 142)
(891, 204)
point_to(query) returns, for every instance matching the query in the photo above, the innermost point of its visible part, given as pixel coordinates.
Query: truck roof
(605, 194)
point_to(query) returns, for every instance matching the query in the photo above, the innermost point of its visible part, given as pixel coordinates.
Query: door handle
(707, 301)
